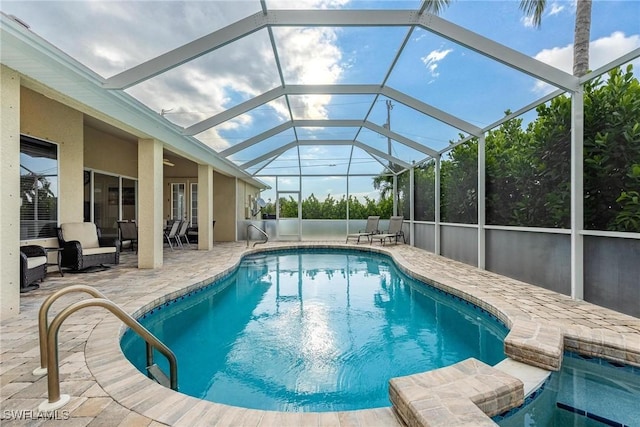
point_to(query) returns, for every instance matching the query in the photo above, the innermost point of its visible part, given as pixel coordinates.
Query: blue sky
(112, 36)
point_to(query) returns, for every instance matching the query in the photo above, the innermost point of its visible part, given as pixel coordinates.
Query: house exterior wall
(107, 153)
(224, 207)
(10, 197)
(44, 118)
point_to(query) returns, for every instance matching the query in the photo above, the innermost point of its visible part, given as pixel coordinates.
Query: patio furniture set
(81, 249)
(371, 232)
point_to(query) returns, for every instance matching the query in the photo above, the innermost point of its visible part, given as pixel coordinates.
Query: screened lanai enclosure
(498, 160)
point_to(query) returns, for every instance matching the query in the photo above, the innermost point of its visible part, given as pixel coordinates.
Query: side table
(58, 258)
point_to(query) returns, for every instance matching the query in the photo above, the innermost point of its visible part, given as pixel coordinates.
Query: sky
(111, 36)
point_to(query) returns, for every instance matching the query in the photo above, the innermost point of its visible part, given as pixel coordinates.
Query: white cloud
(247, 68)
(306, 4)
(527, 21)
(556, 8)
(601, 52)
(432, 60)
(309, 55)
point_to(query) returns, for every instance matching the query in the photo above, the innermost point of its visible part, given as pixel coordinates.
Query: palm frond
(434, 6)
(534, 9)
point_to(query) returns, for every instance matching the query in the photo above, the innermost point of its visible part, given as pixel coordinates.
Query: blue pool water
(316, 330)
(586, 392)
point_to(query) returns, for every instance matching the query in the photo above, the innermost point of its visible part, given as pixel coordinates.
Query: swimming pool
(586, 392)
(314, 330)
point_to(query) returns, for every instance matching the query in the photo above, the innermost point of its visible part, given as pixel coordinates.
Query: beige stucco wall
(10, 197)
(205, 207)
(150, 203)
(107, 153)
(181, 168)
(44, 118)
(224, 206)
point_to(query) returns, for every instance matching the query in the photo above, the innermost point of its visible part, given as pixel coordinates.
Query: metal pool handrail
(43, 325)
(55, 400)
(264, 233)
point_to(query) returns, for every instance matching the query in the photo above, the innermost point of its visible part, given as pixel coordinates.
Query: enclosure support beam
(436, 229)
(481, 202)
(411, 204)
(348, 199)
(395, 195)
(340, 18)
(577, 195)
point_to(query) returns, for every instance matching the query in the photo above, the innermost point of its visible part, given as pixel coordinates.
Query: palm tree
(534, 9)
(435, 6)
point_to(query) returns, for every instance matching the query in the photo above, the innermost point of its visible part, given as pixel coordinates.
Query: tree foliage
(528, 171)
(332, 208)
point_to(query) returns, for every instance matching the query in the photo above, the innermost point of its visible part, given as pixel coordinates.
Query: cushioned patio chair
(393, 233)
(33, 266)
(128, 234)
(370, 229)
(83, 247)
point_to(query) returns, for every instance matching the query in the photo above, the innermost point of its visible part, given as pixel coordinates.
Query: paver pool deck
(106, 390)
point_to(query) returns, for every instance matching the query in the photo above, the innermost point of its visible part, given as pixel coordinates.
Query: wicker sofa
(33, 266)
(83, 247)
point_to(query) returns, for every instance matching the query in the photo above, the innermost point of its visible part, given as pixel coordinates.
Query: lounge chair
(393, 233)
(370, 229)
(171, 233)
(84, 247)
(182, 234)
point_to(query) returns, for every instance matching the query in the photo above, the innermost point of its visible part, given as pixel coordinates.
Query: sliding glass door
(108, 199)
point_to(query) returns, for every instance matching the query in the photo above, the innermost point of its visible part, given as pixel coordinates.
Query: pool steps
(532, 377)
(466, 393)
(470, 392)
(535, 343)
(156, 374)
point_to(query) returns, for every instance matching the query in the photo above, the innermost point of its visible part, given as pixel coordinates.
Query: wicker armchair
(33, 266)
(83, 247)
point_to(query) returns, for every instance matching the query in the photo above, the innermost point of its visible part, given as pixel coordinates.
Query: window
(38, 188)
(178, 202)
(194, 204)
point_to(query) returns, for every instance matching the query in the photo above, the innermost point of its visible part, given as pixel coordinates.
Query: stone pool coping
(540, 315)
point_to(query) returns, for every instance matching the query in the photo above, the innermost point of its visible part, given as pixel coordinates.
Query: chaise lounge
(370, 229)
(393, 233)
(83, 247)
